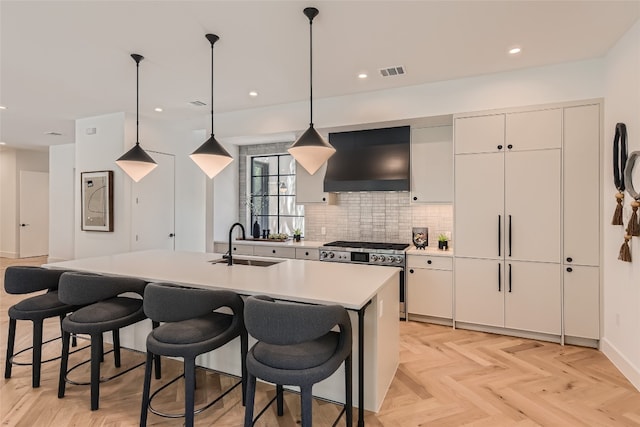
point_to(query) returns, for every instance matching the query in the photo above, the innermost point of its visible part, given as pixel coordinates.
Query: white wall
(62, 187)
(621, 341)
(11, 163)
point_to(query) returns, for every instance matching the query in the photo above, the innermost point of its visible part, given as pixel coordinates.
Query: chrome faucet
(229, 256)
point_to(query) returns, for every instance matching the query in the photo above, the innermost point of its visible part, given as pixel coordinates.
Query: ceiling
(63, 60)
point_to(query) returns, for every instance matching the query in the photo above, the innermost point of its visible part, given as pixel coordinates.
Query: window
(273, 194)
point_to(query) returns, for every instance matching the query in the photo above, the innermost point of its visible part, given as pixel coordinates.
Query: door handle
(509, 277)
(499, 278)
(499, 235)
(509, 236)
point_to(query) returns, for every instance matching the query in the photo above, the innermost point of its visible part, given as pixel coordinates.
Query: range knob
(323, 254)
(399, 259)
(391, 259)
(382, 258)
(374, 257)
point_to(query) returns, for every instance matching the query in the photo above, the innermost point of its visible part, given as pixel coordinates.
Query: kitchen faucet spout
(230, 256)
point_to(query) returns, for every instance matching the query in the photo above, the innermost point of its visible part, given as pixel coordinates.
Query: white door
(582, 301)
(479, 289)
(153, 204)
(479, 205)
(34, 214)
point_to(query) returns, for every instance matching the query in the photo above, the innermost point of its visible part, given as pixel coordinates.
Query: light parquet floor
(446, 377)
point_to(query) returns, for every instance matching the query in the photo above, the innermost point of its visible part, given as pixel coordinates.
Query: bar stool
(297, 347)
(192, 327)
(26, 280)
(105, 310)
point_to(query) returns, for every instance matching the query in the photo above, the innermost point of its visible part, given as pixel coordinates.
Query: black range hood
(369, 160)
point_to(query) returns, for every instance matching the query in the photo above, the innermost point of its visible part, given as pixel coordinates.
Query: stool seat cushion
(39, 307)
(297, 356)
(107, 315)
(193, 330)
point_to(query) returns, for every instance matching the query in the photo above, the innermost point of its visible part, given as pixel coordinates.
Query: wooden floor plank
(446, 377)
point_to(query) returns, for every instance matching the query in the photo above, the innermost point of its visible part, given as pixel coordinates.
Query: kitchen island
(370, 293)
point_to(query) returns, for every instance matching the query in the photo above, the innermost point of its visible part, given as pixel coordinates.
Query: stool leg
(280, 399)
(348, 375)
(10, 343)
(244, 345)
(189, 390)
(96, 354)
(146, 390)
(64, 361)
(157, 356)
(305, 397)
(251, 394)
(36, 358)
(101, 344)
(116, 347)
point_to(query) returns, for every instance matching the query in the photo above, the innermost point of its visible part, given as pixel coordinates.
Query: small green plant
(297, 232)
(443, 238)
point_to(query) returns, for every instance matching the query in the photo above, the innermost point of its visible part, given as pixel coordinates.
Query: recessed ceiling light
(515, 50)
(2, 107)
(3, 143)
(253, 93)
(362, 76)
(158, 109)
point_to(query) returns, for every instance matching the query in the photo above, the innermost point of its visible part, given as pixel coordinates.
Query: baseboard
(8, 255)
(628, 369)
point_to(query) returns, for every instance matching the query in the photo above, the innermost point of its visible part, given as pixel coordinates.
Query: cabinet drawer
(242, 249)
(277, 251)
(312, 254)
(426, 261)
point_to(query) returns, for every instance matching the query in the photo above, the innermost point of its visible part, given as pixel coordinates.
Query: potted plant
(297, 234)
(443, 242)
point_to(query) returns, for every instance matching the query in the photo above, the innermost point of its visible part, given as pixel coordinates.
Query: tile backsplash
(376, 216)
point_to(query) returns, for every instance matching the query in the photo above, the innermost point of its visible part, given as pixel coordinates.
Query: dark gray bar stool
(192, 328)
(105, 310)
(26, 280)
(297, 347)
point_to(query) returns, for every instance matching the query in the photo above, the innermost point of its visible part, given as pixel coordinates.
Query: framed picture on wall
(97, 200)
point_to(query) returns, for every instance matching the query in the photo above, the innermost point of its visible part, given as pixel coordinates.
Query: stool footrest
(102, 379)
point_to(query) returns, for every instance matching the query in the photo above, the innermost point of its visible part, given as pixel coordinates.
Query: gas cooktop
(368, 245)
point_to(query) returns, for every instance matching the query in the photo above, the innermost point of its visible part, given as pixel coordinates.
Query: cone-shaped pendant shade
(211, 157)
(136, 163)
(311, 150)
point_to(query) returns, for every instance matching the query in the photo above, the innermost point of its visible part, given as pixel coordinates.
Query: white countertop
(289, 243)
(429, 251)
(349, 285)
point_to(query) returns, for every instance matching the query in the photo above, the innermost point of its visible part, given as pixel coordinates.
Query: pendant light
(136, 162)
(211, 156)
(311, 150)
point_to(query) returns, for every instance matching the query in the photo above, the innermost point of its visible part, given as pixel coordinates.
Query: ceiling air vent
(197, 103)
(392, 71)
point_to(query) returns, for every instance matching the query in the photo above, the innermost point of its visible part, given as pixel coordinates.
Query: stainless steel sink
(247, 261)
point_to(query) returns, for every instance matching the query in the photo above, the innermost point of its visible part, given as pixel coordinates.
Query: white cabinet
(432, 164)
(310, 188)
(306, 253)
(429, 286)
(508, 177)
(274, 251)
(582, 301)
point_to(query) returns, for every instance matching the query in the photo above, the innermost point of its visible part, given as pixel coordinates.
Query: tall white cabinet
(514, 178)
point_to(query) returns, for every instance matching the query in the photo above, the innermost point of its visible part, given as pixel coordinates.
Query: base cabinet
(582, 301)
(429, 290)
(510, 294)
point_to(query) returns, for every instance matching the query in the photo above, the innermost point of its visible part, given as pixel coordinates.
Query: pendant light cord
(137, 100)
(212, 89)
(311, 71)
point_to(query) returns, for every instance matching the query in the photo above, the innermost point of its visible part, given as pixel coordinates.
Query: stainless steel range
(373, 253)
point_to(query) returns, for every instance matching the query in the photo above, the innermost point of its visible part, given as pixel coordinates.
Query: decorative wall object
(97, 201)
(619, 163)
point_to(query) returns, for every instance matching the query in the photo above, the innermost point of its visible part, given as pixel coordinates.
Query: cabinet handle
(235, 249)
(569, 269)
(509, 277)
(273, 251)
(499, 235)
(499, 278)
(509, 235)
(500, 147)
(569, 259)
(509, 146)
(428, 261)
(324, 199)
(411, 271)
(306, 253)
